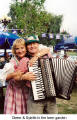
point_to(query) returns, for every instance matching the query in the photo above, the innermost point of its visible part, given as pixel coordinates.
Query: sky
(67, 8)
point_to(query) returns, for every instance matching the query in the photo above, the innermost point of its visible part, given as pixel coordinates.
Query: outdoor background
(38, 17)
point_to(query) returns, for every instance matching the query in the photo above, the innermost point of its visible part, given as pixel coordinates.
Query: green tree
(31, 16)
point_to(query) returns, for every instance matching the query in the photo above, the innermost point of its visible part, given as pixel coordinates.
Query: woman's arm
(14, 75)
(20, 76)
(9, 76)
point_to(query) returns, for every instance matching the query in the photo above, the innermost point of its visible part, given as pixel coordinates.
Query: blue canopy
(69, 43)
(9, 36)
(76, 39)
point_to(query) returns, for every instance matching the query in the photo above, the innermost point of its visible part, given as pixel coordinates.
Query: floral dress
(17, 92)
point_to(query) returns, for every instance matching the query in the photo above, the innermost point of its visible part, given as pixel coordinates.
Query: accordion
(55, 78)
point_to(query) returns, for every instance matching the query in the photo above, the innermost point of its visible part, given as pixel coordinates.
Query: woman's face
(20, 50)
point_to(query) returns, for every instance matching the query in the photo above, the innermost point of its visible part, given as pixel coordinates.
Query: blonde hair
(17, 42)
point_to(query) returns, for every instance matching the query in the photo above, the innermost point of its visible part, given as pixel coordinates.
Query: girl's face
(20, 51)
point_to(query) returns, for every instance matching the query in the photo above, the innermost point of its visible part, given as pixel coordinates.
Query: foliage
(31, 16)
(65, 32)
(55, 24)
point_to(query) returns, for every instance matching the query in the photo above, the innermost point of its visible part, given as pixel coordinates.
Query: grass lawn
(72, 53)
(68, 106)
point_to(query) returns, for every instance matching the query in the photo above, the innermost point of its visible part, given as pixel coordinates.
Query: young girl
(17, 89)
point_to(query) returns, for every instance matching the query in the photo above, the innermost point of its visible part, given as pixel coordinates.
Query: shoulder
(12, 61)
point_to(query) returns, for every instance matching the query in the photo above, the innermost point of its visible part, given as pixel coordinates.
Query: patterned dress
(17, 92)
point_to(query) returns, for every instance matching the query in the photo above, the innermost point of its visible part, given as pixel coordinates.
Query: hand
(29, 76)
(43, 52)
(17, 75)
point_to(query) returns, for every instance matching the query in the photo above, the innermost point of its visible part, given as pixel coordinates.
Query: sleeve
(12, 61)
(8, 68)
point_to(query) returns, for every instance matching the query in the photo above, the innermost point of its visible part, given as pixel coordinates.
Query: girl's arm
(20, 76)
(14, 75)
(9, 76)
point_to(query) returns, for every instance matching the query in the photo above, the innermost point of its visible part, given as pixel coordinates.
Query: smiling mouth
(33, 48)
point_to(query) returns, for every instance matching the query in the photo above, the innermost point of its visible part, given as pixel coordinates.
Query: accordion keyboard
(43, 86)
(37, 85)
